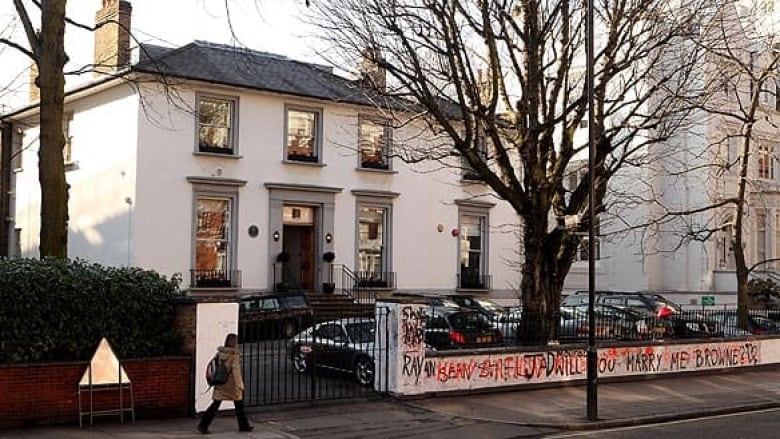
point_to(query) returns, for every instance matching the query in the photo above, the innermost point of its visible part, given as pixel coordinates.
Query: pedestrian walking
(232, 390)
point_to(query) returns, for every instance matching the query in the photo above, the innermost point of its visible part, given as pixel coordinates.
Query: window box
(302, 158)
(374, 165)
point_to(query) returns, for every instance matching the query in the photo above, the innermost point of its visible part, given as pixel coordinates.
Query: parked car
(690, 325)
(434, 300)
(756, 324)
(344, 345)
(646, 303)
(501, 317)
(272, 316)
(459, 328)
(611, 323)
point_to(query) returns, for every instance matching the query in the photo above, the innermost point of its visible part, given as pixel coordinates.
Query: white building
(211, 161)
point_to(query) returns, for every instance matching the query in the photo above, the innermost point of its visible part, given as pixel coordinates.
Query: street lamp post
(592, 398)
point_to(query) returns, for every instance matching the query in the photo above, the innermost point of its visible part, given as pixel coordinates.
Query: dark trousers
(208, 415)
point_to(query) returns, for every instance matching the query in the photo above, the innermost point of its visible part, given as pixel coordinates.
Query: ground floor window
(472, 272)
(214, 234)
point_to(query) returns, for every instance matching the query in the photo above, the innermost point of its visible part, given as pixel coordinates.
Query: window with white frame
(725, 253)
(302, 137)
(216, 125)
(481, 144)
(733, 158)
(767, 95)
(17, 150)
(214, 241)
(584, 250)
(765, 162)
(67, 150)
(373, 264)
(375, 142)
(472, 252)
(776, 263)
(760, 235)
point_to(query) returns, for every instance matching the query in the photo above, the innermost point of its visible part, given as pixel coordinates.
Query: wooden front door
(299, 244)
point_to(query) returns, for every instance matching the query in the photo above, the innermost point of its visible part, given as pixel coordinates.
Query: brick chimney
(112, 39)
(371, 74)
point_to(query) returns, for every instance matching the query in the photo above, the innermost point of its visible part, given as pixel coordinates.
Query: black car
(273, 316)
(344, 345)
(459, 328)
(433, 300)
(505, 319)
(756, 324)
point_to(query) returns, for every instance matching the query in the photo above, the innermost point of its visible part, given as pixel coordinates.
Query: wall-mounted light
(328, 238)
(276, 235)
(440, 228)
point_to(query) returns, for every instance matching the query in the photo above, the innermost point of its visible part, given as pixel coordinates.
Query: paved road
(759, 424)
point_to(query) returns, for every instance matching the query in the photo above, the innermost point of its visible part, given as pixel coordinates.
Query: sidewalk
(522, 413)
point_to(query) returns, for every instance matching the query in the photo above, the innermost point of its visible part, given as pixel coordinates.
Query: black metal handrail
(372, 279)
(469, 281)
(215, 278)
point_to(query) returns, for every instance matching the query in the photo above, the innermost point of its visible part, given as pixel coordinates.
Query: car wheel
(289, 328)
(364, 371)
(300, 361)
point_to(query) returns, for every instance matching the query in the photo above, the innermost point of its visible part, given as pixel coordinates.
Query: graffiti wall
(462, 372)
(417, 373)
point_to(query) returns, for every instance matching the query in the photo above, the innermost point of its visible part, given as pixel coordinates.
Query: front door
(299, 244)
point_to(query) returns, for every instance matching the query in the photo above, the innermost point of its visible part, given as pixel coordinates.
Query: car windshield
(360, 332)
(294, 301)
(490, 306)
(469, 321)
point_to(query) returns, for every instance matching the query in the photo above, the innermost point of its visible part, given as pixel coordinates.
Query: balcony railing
(468, 281)
(215, 278)
(371, 279)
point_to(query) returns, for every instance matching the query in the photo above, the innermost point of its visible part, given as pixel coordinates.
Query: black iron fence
(215, 278)
(625, 324)
(321, 356)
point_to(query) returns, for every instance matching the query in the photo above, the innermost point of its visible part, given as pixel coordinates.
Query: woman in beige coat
(232, 390)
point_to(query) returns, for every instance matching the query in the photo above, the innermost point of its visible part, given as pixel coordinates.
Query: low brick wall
(48, 393)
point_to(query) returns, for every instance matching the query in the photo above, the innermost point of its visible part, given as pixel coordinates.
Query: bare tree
(47, 52)
(742, 62)
(512, 72)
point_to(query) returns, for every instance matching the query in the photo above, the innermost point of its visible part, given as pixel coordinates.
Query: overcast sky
(267, 25)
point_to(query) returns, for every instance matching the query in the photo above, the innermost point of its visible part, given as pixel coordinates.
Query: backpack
(216, 372)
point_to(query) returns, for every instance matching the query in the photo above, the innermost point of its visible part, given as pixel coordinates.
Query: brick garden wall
(48, 393)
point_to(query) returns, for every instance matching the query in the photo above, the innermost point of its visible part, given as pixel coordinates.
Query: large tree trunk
(51, 172)
(543, 275)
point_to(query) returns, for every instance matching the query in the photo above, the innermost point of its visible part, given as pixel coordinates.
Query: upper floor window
(216, 125)
(765, 162)
(481, 143)
(17, 138)
(67, 150)
(766, 97)
(302, 143)
(375, 143)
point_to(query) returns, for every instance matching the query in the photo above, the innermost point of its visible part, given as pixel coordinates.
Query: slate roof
(240, 67)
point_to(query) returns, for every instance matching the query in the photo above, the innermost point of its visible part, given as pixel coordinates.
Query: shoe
(250, 428)
(203, 430)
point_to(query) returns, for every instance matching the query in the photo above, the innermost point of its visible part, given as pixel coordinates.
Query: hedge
(59, 310)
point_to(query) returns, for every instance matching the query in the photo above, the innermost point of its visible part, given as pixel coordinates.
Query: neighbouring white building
(219, 163)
